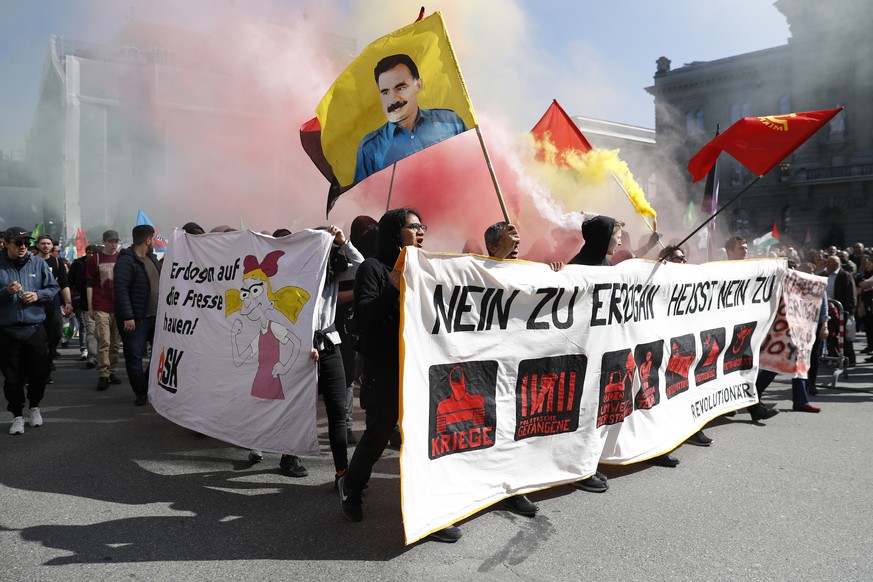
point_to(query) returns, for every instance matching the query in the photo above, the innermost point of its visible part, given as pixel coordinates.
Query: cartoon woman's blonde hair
(288, 300)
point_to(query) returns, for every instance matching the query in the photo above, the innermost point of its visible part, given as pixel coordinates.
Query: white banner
(788, 345)
(231, 356)
(516, 378)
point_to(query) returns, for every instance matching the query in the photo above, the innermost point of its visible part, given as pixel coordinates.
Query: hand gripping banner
(516, 378)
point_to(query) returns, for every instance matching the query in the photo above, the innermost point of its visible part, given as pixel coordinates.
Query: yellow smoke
(592, 169)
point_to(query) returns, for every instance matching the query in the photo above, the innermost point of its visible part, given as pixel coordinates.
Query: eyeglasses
(19, 243)
(678, 259)
(417, 226)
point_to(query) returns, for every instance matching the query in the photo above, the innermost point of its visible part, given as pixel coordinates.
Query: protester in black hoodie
(602, 236)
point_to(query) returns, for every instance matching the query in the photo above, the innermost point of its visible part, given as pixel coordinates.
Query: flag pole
(623, 189)
(717, 212)
(493, 175)
(391, 186)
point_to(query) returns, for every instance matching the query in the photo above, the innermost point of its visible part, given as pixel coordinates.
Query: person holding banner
(674, 254)
(331, 376)
(377, 308)
(409, 129)
(602, 236)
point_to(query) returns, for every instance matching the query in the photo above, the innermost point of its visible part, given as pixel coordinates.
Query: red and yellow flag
(759, 143)
(556, 128)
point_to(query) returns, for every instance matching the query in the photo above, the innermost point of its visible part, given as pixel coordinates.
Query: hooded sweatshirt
(596, 231)
(34, 275)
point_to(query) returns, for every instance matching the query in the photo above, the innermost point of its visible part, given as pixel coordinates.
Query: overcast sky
(595, 58)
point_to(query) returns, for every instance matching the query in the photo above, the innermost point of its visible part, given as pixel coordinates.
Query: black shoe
(699, 438)
(665, 460)
(449, 534)
(396, 440)
(90, 364)
(65, 344)
(141, 400)
(521, 505)
(351, 439)
(760, 412)
(290, 466)
(102, 384)
(350, 501)
(49, 380)
(113, 379)
(596, 483)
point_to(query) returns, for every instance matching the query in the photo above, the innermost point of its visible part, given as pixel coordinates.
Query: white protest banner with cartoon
(231, 357)
(516, 378)
(788, 346)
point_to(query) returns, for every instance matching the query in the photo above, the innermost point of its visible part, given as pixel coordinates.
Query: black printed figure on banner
(463, 413)
(739, 354)
(648, 357)
(682, 353)
(712, 341)
(616, 379)
(548, 393)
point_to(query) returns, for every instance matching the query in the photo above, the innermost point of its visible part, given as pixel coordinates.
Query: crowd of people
(110, 297)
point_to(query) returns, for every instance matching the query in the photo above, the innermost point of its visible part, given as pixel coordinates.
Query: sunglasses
(19, 243)
(678, 259)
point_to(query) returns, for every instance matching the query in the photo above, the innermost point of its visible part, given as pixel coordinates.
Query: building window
(700, 120)
(689, 123)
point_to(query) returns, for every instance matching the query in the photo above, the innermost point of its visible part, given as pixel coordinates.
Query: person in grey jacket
(26, 286)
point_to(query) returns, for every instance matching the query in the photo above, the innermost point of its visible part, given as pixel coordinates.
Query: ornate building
(823, 193)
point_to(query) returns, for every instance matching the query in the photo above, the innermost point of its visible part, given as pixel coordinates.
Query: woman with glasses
(377, 309)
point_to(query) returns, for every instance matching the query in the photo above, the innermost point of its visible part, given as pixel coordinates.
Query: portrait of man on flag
(403, 94)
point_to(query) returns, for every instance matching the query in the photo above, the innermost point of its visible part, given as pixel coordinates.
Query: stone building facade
(823, 193)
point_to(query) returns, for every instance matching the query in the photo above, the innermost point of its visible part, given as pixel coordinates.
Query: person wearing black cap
(99, 276)
(26, 286)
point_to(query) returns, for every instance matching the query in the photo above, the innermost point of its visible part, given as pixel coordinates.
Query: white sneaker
(17, 425)
(35, 417)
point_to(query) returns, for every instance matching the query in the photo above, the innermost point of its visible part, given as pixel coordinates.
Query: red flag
(759, 143)
(563, 133)
(81, 242)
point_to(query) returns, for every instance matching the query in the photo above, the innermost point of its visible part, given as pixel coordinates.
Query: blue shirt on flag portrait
(392, 142)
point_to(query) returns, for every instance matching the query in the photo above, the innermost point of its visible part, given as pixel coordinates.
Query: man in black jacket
(137, 275)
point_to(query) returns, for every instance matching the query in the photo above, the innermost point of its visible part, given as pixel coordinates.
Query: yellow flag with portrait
(403, 93)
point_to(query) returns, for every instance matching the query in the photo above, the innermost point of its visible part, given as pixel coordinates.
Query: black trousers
(332, 385)
(380, 398)
(24, 361)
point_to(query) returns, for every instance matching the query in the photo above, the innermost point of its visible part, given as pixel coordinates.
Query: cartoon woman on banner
(275, 314)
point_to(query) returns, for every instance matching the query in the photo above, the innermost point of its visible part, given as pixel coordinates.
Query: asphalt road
(108, 491)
